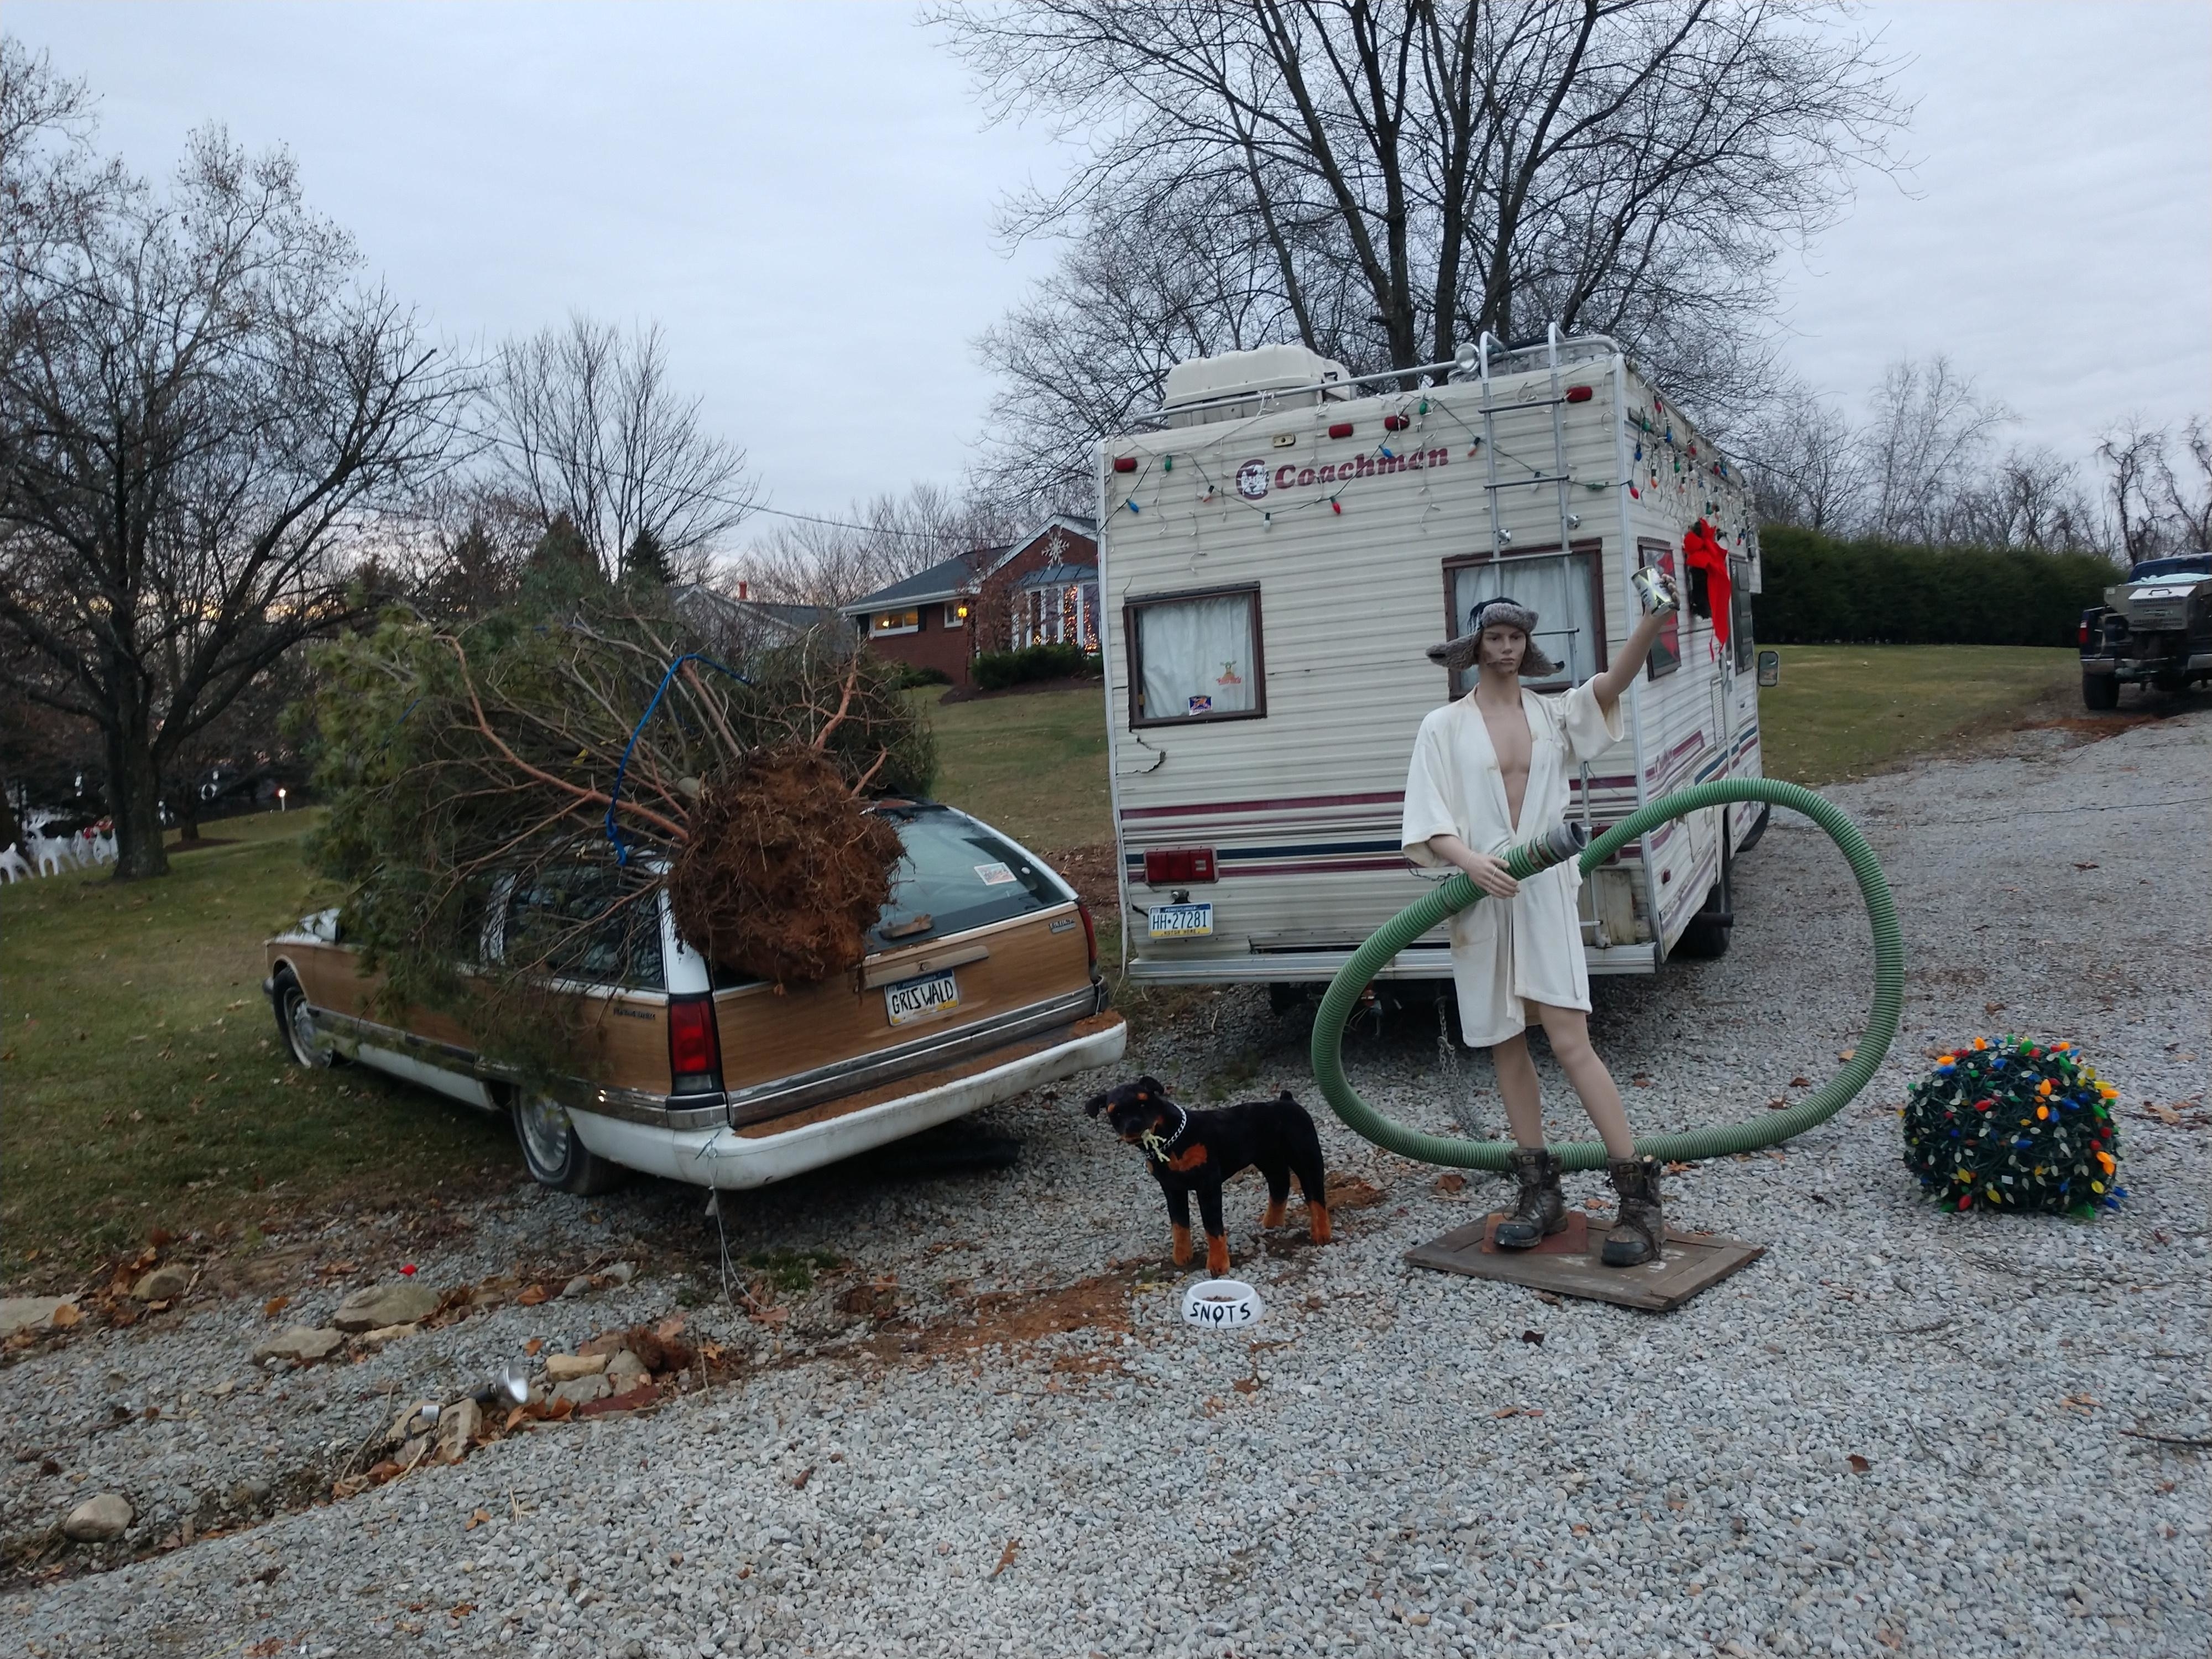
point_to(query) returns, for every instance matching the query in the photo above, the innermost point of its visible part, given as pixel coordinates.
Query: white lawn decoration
(51, 855)
(14, 865)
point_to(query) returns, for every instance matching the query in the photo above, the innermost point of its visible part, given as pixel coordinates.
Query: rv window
(1739, 614)
(1560, 588)
(1195, 657)
(1667, 650)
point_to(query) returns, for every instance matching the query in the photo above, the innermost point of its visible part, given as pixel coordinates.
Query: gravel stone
(300, 1343)
(376, 1306)
(1013, 1444)
(163, 1283)
(567, 1367)
(99, 1519)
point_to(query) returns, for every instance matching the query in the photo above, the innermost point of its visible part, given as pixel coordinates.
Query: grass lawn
(1035, 766)
(1845, 710)
(143, 1083)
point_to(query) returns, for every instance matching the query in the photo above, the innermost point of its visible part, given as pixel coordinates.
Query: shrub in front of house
(994, 671)
(911, 676)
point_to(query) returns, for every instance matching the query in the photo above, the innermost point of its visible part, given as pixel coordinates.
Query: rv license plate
(1180, 921)
(918, 998)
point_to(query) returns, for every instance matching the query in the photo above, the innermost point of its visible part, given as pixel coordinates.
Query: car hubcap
(545, 1132)
(301, 1023)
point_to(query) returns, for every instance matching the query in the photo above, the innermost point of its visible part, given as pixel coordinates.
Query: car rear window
(957, 875)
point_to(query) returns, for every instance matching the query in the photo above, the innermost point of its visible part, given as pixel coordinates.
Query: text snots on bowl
(1221, 1304)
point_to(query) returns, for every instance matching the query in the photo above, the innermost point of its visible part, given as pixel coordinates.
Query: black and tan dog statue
(1191, 1152)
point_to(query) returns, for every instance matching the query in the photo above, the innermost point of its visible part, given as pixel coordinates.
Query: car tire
(553, 1153)
(295, 1024)
(2099, 691)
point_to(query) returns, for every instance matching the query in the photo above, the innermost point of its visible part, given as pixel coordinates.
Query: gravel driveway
(1900, 1431)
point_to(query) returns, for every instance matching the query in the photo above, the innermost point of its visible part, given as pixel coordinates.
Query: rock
(567, 1367)
(375, 1340)
(300, 1344)
(99, 1519)
(621, 1273)
(626, 1370)
(413, 1422)
(457, 1425)
(377, 1305)
(30, 1313)
(583, 1390)
(577, 1286)
(163, 1285)
(248, 1494)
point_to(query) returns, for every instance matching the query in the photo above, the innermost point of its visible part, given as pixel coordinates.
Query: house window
(1058, 613)
(1667, 650)
(1196, 656)
(956, 615)
(897, 621)
(1561, 589)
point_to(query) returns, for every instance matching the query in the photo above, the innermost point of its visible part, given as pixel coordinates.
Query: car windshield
(2188, 564)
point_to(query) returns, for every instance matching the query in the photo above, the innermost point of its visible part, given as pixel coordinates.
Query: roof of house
(789, 619)
(1058, 576)
(951, 578)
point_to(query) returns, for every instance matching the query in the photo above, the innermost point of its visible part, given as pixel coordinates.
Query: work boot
(1635, 1236)
(1542, 1209)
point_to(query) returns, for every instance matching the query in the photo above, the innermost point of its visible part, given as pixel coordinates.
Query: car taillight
(2082, 637)
(695, 1048)
(1166, 867)
(1090, 934)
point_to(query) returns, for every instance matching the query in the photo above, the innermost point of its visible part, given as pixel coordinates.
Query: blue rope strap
(614, 834)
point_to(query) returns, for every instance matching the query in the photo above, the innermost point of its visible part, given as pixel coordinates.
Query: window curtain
(1556, 587)
(1197, 657)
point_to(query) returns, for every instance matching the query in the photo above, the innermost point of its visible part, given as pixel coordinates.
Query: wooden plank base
(1568, 1263)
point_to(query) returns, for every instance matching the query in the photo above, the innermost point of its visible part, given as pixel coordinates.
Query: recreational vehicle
(1279, 543)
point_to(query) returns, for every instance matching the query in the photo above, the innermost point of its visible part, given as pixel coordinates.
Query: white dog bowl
(1221, 1304)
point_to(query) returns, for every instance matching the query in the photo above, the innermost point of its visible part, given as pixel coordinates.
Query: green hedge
(995, 670)
(1818, 589)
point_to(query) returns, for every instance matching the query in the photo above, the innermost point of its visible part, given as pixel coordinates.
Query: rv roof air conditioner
(1238, 384)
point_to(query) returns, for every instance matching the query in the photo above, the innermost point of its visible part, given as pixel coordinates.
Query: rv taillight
(1167, 866)
(695, 1048)
(1341, 429)
(1580, 394)
(1090, 934)
(1125, 462)
(1395, 422)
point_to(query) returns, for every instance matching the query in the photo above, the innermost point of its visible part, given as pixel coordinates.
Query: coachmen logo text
(1253, 480)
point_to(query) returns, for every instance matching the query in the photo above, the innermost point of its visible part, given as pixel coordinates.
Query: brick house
(1044, 586)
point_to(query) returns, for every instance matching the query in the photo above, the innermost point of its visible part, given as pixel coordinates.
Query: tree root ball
(785, 871)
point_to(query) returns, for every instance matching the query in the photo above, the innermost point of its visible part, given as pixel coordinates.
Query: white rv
(1279, 543)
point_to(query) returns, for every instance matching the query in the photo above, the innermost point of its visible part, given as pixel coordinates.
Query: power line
(496, 440)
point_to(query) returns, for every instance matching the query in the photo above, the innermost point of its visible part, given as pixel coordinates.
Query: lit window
(1196, 656)
(955, 616)
(897, 621)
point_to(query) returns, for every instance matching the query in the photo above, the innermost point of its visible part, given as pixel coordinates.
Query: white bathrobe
(1529, 947)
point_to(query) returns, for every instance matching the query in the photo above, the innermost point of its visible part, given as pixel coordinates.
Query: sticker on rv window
(1202, 705)
(994, 875)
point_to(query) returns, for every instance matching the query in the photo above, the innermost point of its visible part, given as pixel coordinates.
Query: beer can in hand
(1654, 590)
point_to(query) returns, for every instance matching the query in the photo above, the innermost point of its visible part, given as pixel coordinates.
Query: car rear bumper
(761, 1153)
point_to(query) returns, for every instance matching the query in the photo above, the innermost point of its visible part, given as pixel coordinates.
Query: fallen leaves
(1801, 1082)
(1859, 1465)
(477, 1518)
(798, 1481)
(275, 1305)
(531, 1296)
(1006, 1556)
(1452, 1183)
(1534, 1339)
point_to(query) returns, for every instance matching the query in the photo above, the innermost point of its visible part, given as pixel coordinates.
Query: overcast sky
(803, 198)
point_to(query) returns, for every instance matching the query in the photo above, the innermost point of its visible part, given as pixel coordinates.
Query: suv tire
(2100, 691)
(553, 1152)
(295, 1024)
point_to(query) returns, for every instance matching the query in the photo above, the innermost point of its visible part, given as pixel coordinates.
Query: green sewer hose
(1457, 893)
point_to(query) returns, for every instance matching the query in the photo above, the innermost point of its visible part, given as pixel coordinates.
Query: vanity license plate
(917, 999)
(1179, 920)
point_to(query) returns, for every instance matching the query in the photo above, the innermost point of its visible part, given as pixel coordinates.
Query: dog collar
(1161, 1149)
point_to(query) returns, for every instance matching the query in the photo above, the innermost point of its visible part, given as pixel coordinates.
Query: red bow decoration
(1701, 551)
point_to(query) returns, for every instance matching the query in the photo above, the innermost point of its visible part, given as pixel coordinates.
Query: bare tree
(1384, 181)
(1805, 463)
(200, 416)
(587, 425)
(884, 540)
(1923, 442)
(2159, 510)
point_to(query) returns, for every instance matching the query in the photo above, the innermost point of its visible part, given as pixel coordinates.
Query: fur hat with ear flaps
(1460, 654)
